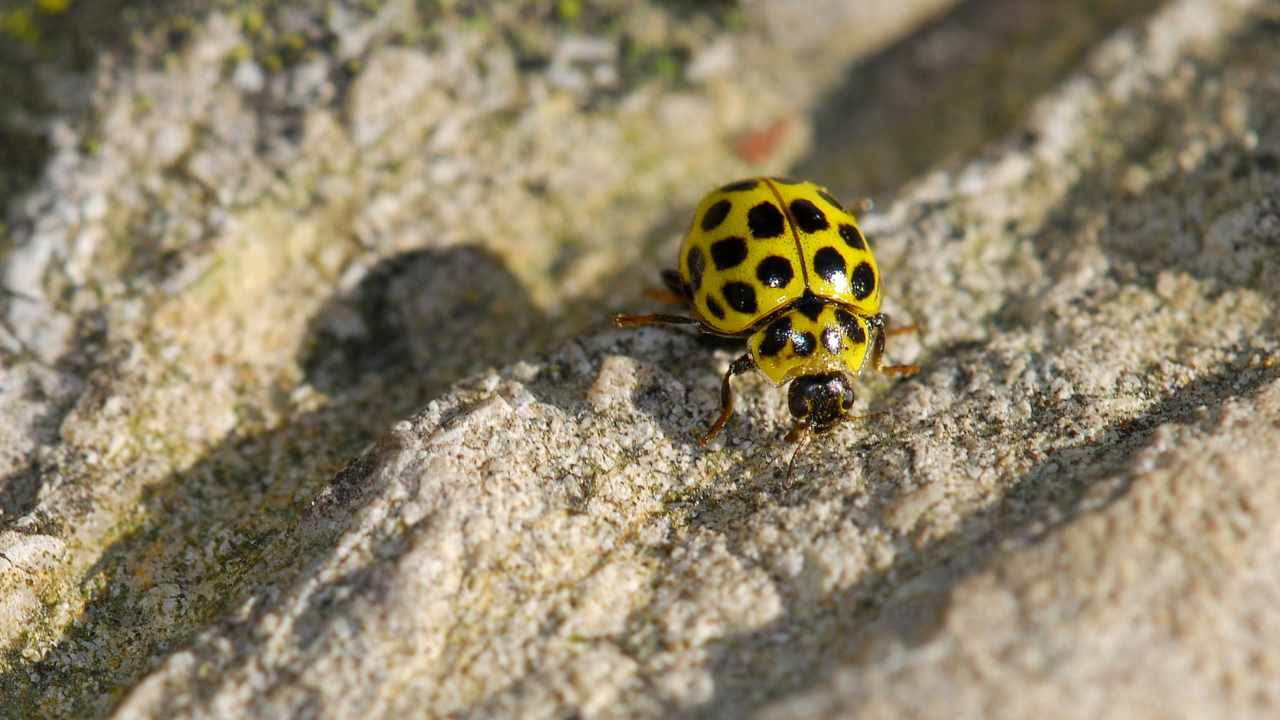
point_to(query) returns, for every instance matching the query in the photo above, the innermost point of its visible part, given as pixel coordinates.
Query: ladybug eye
(846, 398)
(798, 403)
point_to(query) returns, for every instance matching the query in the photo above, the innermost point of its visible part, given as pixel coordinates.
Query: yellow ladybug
(782, 264)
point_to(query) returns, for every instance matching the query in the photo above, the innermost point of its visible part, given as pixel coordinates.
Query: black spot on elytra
(715, 215)
(765, 221)
(729, 252)
(863, 281)
(697, 265)
(809, 305)
(803, 343)
(852, 329)
(740, 297)
(776, 337)
(830, 200)
(774, 271)
(714, 308)
(829, 264)
(740, 186)
(852, 237)
(808, 216)
(831, 338)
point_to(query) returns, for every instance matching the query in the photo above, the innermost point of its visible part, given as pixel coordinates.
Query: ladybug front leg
(877, 348)
(654, 319)
(677, 293)
(737, 367)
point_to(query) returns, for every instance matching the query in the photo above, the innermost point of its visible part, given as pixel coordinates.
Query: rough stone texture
(1069, 512)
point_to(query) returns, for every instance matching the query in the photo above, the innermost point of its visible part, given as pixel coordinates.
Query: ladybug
(781, 264)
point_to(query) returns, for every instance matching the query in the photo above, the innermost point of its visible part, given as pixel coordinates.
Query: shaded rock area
(310, 408)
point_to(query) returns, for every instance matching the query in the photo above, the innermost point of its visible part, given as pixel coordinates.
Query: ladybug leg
(877, 349)
(737, 367)
(672, 280)
(654, 319)
(904, 330)
(677, 293)
(665, 297)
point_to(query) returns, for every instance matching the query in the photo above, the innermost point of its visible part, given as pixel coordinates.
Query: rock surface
(297, 234)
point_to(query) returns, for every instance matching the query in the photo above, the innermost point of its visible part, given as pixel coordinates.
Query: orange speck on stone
(755, 146)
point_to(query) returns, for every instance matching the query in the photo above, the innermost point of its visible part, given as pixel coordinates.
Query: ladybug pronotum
(781, 264)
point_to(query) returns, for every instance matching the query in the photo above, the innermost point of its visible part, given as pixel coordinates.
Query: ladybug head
(819, 401)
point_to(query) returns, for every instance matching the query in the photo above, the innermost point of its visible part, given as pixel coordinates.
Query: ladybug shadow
(419, 321)
(380, 349)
